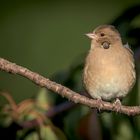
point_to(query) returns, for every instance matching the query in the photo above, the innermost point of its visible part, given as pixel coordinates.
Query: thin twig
(64, 91)
(59, 108)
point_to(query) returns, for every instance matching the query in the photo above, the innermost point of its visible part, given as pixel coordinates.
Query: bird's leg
(117, 104)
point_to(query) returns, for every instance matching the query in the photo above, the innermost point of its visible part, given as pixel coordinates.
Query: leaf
(89, 127)
(43, 99)
(51, 133)
(124, 131)
(71, 121)
(32, 136)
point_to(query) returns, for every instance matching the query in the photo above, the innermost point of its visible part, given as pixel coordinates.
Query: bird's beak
(92, 36)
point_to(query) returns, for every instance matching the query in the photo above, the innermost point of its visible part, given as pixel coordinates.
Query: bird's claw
(117, 105)
(100, 102)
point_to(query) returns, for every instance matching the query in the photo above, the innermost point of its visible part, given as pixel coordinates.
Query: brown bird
(109, 72)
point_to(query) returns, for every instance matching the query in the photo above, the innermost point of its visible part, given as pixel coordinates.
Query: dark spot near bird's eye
(102, 34)
(105, 45)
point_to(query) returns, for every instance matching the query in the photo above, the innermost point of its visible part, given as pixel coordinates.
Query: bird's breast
(109, 71)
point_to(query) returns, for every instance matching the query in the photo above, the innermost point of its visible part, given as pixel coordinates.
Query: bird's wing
(128, 48)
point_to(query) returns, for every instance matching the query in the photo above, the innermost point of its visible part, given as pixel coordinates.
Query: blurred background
(48, 37)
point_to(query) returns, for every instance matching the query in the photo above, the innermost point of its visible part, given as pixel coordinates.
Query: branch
(64, 91)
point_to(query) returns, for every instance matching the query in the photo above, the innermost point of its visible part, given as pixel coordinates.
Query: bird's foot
(100, 102)
(117, 105)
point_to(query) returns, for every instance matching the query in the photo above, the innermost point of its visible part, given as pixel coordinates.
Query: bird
(109, 70)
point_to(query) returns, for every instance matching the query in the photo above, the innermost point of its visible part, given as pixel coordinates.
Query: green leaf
(43, 99)
(51, 133)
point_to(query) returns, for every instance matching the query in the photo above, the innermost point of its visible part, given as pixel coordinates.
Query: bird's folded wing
(128, 48)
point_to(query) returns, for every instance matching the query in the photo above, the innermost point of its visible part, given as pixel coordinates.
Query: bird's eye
(102, 34)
